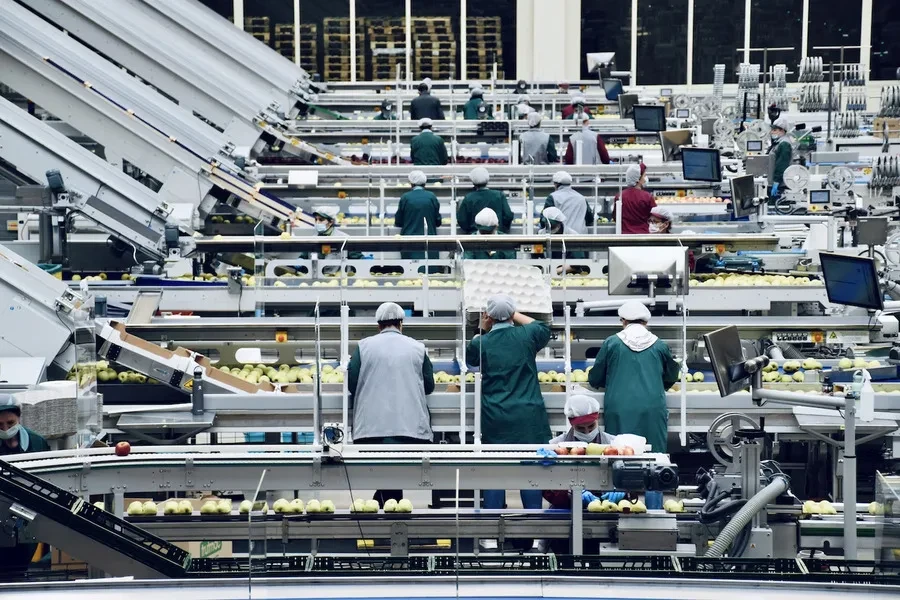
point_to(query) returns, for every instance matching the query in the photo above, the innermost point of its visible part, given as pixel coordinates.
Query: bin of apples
(593, 450)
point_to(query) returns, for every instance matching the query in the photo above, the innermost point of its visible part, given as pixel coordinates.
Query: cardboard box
(211, 372)
(207, 549)
(141, 343)
(60, 561)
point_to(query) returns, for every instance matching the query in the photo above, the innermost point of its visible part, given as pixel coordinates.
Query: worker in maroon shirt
(636, 202)
(593, 149)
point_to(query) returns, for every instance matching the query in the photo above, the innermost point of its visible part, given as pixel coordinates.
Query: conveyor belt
(85, 531)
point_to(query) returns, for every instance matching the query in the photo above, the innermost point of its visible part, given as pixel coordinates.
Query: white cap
(479, 176)
(633, 310)
(562, 178)
(632, 175)
(663, 213)
(389, 311)
(580, 405)
(477, 91)
(486, 217)
(534, 119)
(551, 213)
(501, 307)
(578, 100)
(427, 81)
(782, 123)
(417, 177)
(329, 212)
(425, 122)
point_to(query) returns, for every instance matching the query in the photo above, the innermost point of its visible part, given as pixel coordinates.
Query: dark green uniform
(418, 207)
(16, 559)
(489, 254)
(483, 198)
(380, 117)
(470, 109)
(512, 407)
(635, 384)
(784, 153)
(428, 149)
(34, 443)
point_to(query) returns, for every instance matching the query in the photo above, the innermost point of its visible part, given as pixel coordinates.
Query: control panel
(841, 338)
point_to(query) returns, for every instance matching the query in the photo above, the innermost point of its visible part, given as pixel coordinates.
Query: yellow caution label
(189, 384)
(832, 336)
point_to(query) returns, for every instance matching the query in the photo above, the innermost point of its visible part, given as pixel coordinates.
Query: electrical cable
(327, 444)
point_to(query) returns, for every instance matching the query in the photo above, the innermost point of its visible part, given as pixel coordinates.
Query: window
(718, 32)
(776, 24)
(826, 30)
(885, 39)
(484, 18)
(606, 27)
(662, 42)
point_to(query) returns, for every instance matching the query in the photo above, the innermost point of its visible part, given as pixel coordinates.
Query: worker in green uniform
(486, 224)
(482, 197)
(476, 99)
(16, 439)
(636, 368)
(783, 150)
(427, 148)
(419, 213)
(387, 112)
(512, 407)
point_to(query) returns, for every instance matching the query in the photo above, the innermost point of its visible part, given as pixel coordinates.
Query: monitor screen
(665, 92)
(701, 164)
(820, 197)
(851, 280)
(613, 88)
(649, 118)
(682, 113)
(742, 192)
(754, 145)
(626, 105)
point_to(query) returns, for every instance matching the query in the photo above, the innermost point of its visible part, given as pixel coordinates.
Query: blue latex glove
(587, 497)
(774, 189)
(614, 497)
(549, 455)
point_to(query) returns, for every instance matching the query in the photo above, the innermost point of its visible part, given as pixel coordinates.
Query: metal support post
(568, 346)
(477, 413)
(850, 541)
(345, 363)
(577, 520)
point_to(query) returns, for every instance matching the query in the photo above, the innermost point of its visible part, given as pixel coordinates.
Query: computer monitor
(649, 118)
(754, 145)
(682, 113)
(672, 141)
(665, 93)
(743, 190)
(626, 105)
(851, 280)
(820, 197)
(701, 164)
(726, 357)
(631, 270)
(613, 88)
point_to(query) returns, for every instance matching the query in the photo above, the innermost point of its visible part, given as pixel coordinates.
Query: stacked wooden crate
(259, 28)
(284, 44)
(435, 48)
(387, 44)
(484, 46)
(336, 49)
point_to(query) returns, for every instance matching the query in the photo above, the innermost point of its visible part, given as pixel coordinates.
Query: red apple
(562, 450)
(627, 451)
(123, 449)
(611, 451)
(578, 451)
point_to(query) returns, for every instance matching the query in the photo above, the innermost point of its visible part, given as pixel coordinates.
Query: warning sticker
(832, 336)
(189, 384)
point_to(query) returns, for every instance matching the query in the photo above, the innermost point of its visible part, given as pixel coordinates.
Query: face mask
(10, 433)
(586, 437)
(321, 227)
(655, 228)
(775, 138)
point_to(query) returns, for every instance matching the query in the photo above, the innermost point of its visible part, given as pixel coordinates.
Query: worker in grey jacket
(537, 147)
(388, 378)
(579, 215)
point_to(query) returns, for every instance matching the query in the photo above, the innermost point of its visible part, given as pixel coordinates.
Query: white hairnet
(551, 213)
(501, 307)
(8, 403)
(663, 213)
(417, 177)
(329, 212)
(478, 92)
(782, 123)
(425, 122)
(632, 175)
(427, 81)
(580, 405)
(486, 217)
(562, 178)
(479, 176)
(534, 119)
(633, 310)
(389, 311)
